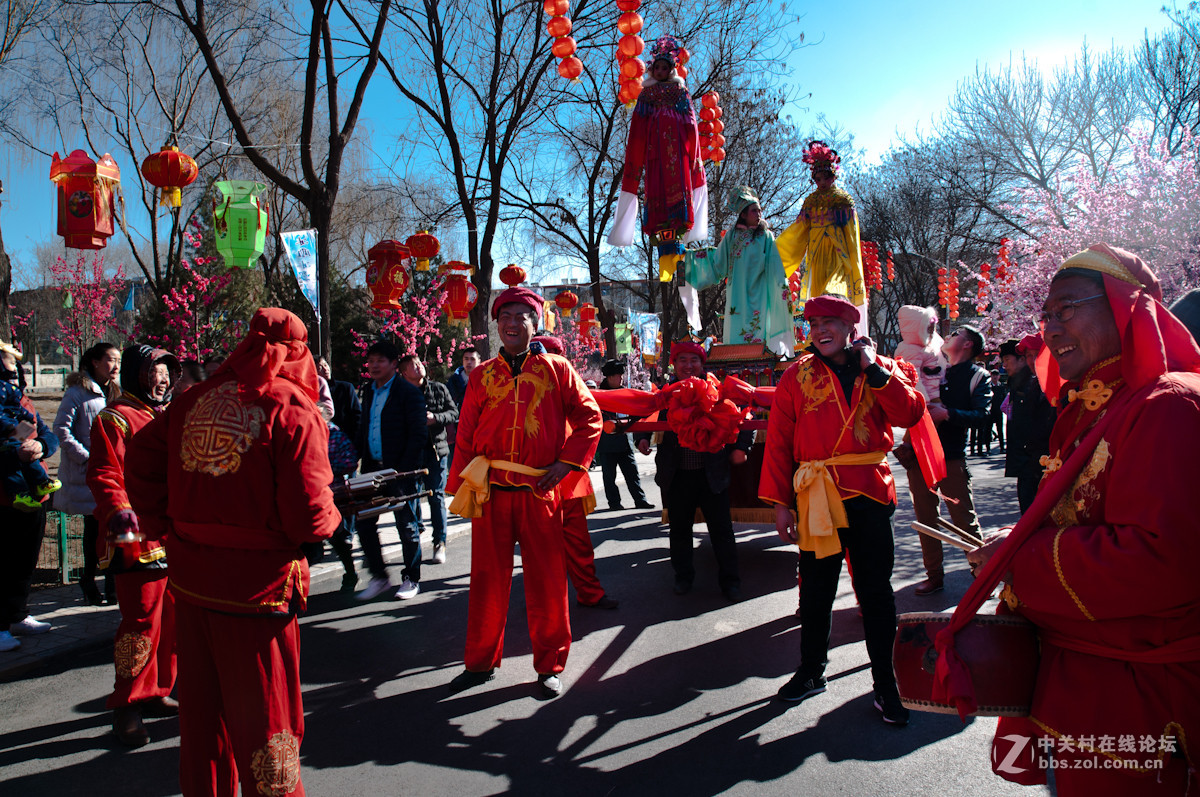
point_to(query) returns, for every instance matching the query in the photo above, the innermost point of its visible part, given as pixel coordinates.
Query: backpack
(343, 456)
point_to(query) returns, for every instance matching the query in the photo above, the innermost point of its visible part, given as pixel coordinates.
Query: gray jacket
(73, 425)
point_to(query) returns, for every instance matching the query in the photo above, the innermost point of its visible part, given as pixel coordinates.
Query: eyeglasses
(1065, 311)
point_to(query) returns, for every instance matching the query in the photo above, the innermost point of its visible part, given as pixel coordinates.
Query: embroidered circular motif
(218, 430)
(131, 653)
(276, 765)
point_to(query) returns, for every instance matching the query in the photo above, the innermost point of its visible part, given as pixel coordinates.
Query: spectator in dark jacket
(1030, 422)
(346, 407)
(440, 412)
(966, 404)
(458, 388)
(614, 450)
(391, 434)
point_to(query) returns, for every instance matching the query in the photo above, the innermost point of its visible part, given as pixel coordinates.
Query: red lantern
(630, 23)
(450, 266)
(563, 47)
(683, 56)
(555, 8)
(891, 268)
(512, 275)
(718, 141)
(629, 92)
(629, 5)
(704, 127)
(633, 69)
(570, 68)
(708, 114)
(558, 27)
(566, 302)
(631, 46)
(170, 170)
(387, 276)
(589, 327)
(423, 247)
(718, 155)
(681, 71)
(710, 100)
(717, 126)
(461, 296)
(85, 198)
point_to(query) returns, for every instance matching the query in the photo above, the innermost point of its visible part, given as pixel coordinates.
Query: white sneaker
(439, 553)
(8, 641)
(407, 590)
(30, 626)
(377, 587)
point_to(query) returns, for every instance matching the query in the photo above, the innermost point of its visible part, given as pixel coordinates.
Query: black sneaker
(801, 688)
(891, 709)
(467, 679)
(549, 686)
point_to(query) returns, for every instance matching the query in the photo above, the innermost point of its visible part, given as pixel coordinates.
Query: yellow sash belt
(819, 509)
(476, 488)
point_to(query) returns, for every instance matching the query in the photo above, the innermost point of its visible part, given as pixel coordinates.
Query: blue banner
(301, 248)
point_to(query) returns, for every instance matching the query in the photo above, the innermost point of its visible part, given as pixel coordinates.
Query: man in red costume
(828, 436)
(237, 472)
(144, 649)
(527, 423)
(578, 501)
(1102, 562)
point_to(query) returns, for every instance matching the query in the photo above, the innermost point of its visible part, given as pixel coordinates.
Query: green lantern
(240, 222)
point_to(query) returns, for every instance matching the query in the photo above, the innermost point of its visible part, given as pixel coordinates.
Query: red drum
(1001, 651)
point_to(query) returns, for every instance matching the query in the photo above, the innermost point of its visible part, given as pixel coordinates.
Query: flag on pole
(301, 248)
(128, 307)
(624, 336)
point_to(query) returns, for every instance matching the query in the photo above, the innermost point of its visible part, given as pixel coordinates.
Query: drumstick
(966, 535)
(937, 535)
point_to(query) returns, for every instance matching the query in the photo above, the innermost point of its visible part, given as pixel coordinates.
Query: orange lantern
(629, 5)
(563, 47)
(85, 198)
(629, 92)
(710, 100)
(461, 296)
(558, 27)
(630, 23)
(512, 275)
(423, 247)
(555, 8)
(633, 69)
(566, 302)
(387, 276)
(570, 68)
(169, 170)
(718, 155)
(683, 55)
(631, 46)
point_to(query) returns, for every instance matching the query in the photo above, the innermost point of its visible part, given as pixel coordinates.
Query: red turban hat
(687, 347)
(551, 344)
(274, 346)
(831, 307)
(518, 295)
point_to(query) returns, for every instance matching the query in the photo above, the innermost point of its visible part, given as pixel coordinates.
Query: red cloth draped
(695, 410)
(928, 448)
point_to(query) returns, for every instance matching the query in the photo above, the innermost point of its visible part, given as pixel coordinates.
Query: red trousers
(144, 648)
(581, 557)
(240, 710)
(510, 517)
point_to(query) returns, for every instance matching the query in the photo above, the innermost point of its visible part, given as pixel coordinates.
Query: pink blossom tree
(1152, 210)
(88, 299)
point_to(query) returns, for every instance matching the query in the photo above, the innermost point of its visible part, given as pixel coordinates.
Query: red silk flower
(700, 417)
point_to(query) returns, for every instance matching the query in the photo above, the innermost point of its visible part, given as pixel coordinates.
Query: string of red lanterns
(872, 272)
(981, 294)
(891, 268)
(630, 68)
(559, 28)
(712, 143)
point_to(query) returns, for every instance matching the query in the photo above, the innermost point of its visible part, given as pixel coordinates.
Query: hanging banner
(301, 248)
(646, 327)
(624, 336)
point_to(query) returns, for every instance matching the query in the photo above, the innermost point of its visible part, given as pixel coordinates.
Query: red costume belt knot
(1094, 395)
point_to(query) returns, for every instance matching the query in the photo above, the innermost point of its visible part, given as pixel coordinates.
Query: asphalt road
(665, 695)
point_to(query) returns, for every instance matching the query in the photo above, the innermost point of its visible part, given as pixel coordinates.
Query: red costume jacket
(810, 420)
(239, 485)
(113, 428)
(525, 420)
(1110, 581)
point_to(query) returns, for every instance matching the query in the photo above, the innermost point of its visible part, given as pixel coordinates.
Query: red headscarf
(687, 347)
(1030, 343)
(551, 344)
(520, 295)
(831, 307)
(274, 346)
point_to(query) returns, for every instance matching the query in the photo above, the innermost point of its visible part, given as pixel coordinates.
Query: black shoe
(615, 508)
(644, 505)
(467, 679)
(891, 709)
(683, 586)
(549, 686)
(732, 594)
(349, 582)
(801, 688)
(605, 602)
(128, 727)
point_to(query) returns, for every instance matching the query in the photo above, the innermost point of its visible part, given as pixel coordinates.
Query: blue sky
(877, 67)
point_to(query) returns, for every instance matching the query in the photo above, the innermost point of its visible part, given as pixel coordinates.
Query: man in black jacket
(391, 434)
(614, 450)
(440, 411)
(966, 401)
(691, 479)
(1030, 423)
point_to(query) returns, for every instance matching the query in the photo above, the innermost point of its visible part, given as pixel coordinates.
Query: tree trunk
(5, 290)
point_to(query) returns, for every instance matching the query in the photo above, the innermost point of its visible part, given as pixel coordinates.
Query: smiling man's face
(1089, 336)
(515, 324)
(830, 336)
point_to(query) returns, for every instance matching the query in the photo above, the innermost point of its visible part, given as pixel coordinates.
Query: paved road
(666, 695)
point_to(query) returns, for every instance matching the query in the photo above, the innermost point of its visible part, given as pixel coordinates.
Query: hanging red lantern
(450, 266)
(512, 275)
(169, 171)
(555, 8)
(891, 268)
(683, 56)
(629, 92)
(85, 198)
(710, 100)
(566, 302)
(461, 296)
(558, 27)
(589, 327)
(629, 5)
(718, 155)
(717, 126)
(708, 114)
(631, 46)
(630, 23)
(563, 47)
(387, 275)
(681, 71)
(718, 141)
(633, 69)
(570, 68)
(424, 247)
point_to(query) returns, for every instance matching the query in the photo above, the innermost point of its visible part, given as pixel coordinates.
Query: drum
(1001, 651)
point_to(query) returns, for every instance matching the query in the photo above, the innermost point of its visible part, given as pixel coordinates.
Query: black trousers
(23, 532)
(689, 490)
(609, 462)
(868, 542)
(1027, 490)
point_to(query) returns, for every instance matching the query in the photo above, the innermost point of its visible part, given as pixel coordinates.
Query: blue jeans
(435, 481)
(406, 526)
